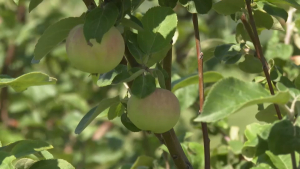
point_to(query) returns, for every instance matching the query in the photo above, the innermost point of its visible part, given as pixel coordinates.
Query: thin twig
(260, 55)
(289, 26)
(201, 92)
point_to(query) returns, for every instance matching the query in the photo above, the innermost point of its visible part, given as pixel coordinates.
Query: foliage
(55, 116)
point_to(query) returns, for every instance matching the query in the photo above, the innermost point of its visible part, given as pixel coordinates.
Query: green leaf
(284, 138)
(25, 147)
(33, 4)
(251, 64)
(128, 124)
(256, 135)
(52, 164)
(197, 6)
(161, 79)
(53, 35)
(143, 86)
(280, 3)
(106, 79)
(127, 76)
(24, 163)
(208, 77)
(168, 3)
(99, 21)
(280, 161)
(223, 52)
(279, 50)
(94, 112)
(262, 20)
(159, 27)
(132, 22)
(232, 95)
(236, 146)
(115, 110)
(241, 34)
(133, 46)
(45, 154)
(276, 11)
(6, 160)
(269, 114)
(297, 82)
(232, 6)
(135, 4)
(158, 56)
(21, 83)
(143, 161)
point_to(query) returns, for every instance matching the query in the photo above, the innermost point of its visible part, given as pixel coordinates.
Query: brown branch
(102, 130)
(201, 92)
(259, 53)
(170, 138)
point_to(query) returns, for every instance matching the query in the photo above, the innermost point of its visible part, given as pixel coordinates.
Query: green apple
(157, 112)
(95, 57)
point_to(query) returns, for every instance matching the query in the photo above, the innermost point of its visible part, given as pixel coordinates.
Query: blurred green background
(52, 112)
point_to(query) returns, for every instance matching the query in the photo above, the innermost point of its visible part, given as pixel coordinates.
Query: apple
(95, 57)
(157, 112)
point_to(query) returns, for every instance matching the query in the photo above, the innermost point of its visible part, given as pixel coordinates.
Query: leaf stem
(253, 34)
(201, 92)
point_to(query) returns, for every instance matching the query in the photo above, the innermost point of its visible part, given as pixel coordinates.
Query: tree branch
(201, 92)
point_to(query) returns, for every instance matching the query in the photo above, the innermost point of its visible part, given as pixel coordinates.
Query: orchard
(149, 84)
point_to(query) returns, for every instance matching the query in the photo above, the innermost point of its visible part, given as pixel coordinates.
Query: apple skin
(98, 58)
(159, 112)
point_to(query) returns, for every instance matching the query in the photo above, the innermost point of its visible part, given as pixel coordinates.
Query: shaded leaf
(128, 124)
(115, 110)
(232, 6)
(33, 4)
(94, 112)
(107, 78)
(168, 3)
(269, 114)
(52, 164)
(143, 161)
(99, 21)
(197, 6)
(276, 11)
(161, 78)
(143, 86)
(6, 160)
(132, 22)
(251, 64)
(279, 3)
(127, 76)
(53, 35)
(24, 163)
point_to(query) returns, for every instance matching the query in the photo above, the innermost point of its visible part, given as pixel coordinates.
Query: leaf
(133, 46)
(143, 161)
(269, 114)
(276, 11)
(279, 3)
(223, 52)
(168, 3)
(262, 20)
(21, 83)
(94, 112)
(197, 6)
(231, 95)
(52, 164)
(232, 6)
(107, 78)
(25, 147)
(208, 77)
(132, 22)
(128, 124)
(297, 82)
(161, 78)
(278, 161)
(53, 35)
(33, 4)
(279, 50)
(143, 86)
(127, 76)
(6, 160)
(115, 110)
(251, 64)
(284, 138)
(45, 154)
(241, 34)
(159, 27)
(256, 135)
(24, 163)
(99, 21)
(236, 146)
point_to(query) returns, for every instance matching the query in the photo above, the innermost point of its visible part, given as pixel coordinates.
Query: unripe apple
(157, 112)
(97, 57)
